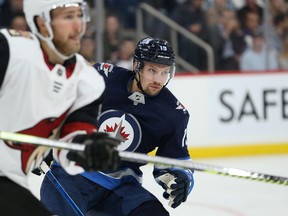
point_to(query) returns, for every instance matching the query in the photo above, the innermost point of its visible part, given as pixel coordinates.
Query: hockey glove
(100, 153)
(177, 185)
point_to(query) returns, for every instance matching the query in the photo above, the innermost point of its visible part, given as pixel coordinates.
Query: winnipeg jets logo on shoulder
(137, 97)
(106, 68)
(122, 126)
(180, 106)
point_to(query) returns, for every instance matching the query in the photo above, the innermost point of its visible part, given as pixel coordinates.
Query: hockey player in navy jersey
(139, 110)
(47, 89)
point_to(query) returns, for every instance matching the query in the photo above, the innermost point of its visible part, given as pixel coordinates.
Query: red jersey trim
(71, 127)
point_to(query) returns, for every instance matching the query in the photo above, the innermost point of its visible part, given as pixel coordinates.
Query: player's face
(153, 77)
(67, 24)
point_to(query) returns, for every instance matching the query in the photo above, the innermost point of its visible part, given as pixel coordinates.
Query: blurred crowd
(247, 36)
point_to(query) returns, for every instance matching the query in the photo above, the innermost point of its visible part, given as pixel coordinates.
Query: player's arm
(176, 182)
(83, 119)
(4, 57)
(100, 152)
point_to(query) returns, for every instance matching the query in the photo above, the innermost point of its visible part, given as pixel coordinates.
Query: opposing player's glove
(100, 153)
(177, 185)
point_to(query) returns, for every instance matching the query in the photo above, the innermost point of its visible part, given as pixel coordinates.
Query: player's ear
(41, 26)
(134, 65)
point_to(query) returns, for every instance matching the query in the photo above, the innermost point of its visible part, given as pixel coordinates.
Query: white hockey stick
(142, 158)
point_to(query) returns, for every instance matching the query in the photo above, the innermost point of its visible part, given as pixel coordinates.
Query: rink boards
(235, 113)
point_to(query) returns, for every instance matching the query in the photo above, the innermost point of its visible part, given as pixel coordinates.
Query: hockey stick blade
(157, 160)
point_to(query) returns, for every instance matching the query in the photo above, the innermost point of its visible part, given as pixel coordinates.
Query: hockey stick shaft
(163, 161)
(220, 170)
(45, 169)
(34, 140)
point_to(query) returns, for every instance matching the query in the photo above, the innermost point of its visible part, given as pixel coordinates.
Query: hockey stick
(163, 161)
(46, 170)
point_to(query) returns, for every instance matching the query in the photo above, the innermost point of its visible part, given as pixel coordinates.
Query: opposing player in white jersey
(47, 90)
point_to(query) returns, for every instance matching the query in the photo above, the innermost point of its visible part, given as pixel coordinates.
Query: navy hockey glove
(100, 153)
(177, 185)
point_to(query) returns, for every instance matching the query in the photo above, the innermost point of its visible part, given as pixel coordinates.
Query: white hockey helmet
(43, 9)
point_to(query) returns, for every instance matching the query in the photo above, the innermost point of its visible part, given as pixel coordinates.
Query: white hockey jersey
(36, 99)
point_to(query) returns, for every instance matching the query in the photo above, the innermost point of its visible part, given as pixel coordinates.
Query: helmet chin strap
(51, 45)
(138, 83)
(60, 55)
(54, 49)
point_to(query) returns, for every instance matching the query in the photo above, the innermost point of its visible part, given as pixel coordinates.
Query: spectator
(3, 3)
(219, 5)
(126, 53)
(249, 6)
(275, 23)
(125, 10)
(152, 25)
(9, 9)
(278, 32)
(88, 48)
(93, 14)
(165, 7)
(191, 16)
(277, 7)
(227, 41)
(112, 37)
(283, 55)
(252, 24)
(18, 22)
(257, 57)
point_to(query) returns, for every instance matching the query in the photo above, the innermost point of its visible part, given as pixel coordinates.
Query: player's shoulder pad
(181, 107)
(104, 68)
(18, 33)
(173, 101)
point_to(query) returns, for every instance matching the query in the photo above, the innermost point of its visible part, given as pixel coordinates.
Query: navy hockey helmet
(156, 51)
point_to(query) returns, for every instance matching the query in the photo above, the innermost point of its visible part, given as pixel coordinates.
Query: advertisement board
(247, 111)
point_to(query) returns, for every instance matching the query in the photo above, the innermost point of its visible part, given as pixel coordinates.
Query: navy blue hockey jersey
(141, 122)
